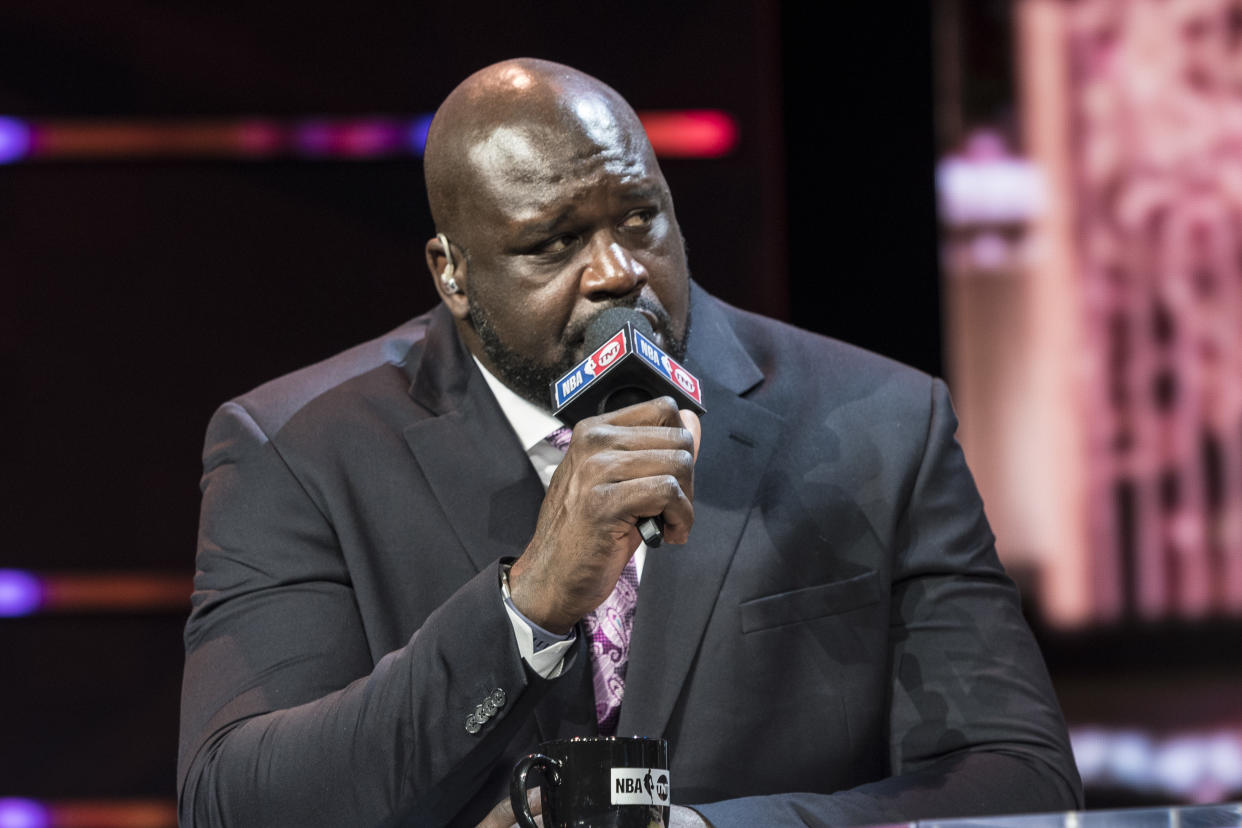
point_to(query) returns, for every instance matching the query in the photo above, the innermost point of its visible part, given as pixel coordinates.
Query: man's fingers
(632, 471)
(499, 817)
(691, 422)
(619, 466)
(502, 815)
(660, 411)
(610, 436)
(648, 496)
(536, 806)
(636, 484)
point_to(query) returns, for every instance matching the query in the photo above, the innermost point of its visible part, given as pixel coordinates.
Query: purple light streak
(23, 813)
(14, 145)
(673, 133)
(20, 594)
(370, 138)
(416, 136)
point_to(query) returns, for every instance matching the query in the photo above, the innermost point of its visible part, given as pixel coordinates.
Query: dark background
(140, 294)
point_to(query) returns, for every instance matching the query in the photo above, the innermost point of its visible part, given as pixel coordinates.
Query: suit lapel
(469, 454)
(680, 585)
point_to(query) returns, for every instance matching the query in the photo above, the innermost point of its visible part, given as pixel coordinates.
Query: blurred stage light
(88, 813)
(14, 142)
(691, 133)
(1198, 767)
(23, 813)
(350, 139)
(416, 138)
(259, 138)
(24, 593)
(21, 593)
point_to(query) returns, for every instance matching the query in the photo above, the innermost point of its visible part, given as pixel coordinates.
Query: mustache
(575, 335)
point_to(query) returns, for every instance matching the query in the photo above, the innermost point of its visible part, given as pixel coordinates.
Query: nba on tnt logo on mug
(640, 786)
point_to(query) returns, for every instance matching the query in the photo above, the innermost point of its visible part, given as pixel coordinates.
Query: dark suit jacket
(836, 644)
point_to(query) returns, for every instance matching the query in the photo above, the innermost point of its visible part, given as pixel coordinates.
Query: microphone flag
(627, 368)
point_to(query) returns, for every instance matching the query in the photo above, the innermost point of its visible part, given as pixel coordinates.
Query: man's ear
(448, 273)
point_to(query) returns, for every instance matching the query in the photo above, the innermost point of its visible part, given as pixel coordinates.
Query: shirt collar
(531, 423)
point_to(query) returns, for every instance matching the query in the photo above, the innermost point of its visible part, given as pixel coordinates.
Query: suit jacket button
(498, 697)
(489, 707)
(481, 713)
(473, 724)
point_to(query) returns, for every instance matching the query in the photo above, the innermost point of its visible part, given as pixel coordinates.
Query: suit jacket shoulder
(800, 364)
(275, 402)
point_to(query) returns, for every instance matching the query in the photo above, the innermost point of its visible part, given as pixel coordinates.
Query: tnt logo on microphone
(681, 376)
(585, 372)
(668, 366)
(609, 351)
(640, 786)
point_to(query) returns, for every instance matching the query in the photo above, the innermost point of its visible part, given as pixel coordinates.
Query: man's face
(564, 223)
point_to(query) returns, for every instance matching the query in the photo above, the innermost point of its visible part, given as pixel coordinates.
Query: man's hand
(502, 815)
(620, 467)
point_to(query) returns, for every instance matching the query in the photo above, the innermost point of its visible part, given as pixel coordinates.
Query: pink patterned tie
(609, 627)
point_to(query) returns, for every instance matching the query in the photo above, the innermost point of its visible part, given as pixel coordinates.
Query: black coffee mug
(597, 782)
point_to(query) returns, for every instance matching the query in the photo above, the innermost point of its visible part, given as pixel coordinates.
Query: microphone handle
(652, 530)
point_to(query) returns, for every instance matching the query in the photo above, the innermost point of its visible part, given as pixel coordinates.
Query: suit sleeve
(287, 718)
(974, 725)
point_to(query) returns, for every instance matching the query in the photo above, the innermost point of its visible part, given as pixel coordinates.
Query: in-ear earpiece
(446, 278)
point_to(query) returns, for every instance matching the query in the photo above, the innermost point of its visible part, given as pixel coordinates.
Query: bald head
(508, 119)
(550, 208)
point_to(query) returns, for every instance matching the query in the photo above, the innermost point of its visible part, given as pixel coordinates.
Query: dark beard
(532, 381)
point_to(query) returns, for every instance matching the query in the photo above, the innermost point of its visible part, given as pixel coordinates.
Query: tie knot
(560, 438)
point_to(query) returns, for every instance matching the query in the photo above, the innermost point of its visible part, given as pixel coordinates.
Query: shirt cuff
(544, 651)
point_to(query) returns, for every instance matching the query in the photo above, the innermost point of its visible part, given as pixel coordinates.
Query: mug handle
(517, 785)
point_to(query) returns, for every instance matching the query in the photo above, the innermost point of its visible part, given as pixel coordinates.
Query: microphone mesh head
(606, 323)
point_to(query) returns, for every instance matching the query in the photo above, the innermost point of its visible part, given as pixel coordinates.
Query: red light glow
(690, 133)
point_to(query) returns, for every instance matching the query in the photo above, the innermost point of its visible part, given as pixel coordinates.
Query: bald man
(394, 563)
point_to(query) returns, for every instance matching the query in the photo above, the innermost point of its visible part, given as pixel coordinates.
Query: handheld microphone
(625, 367)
